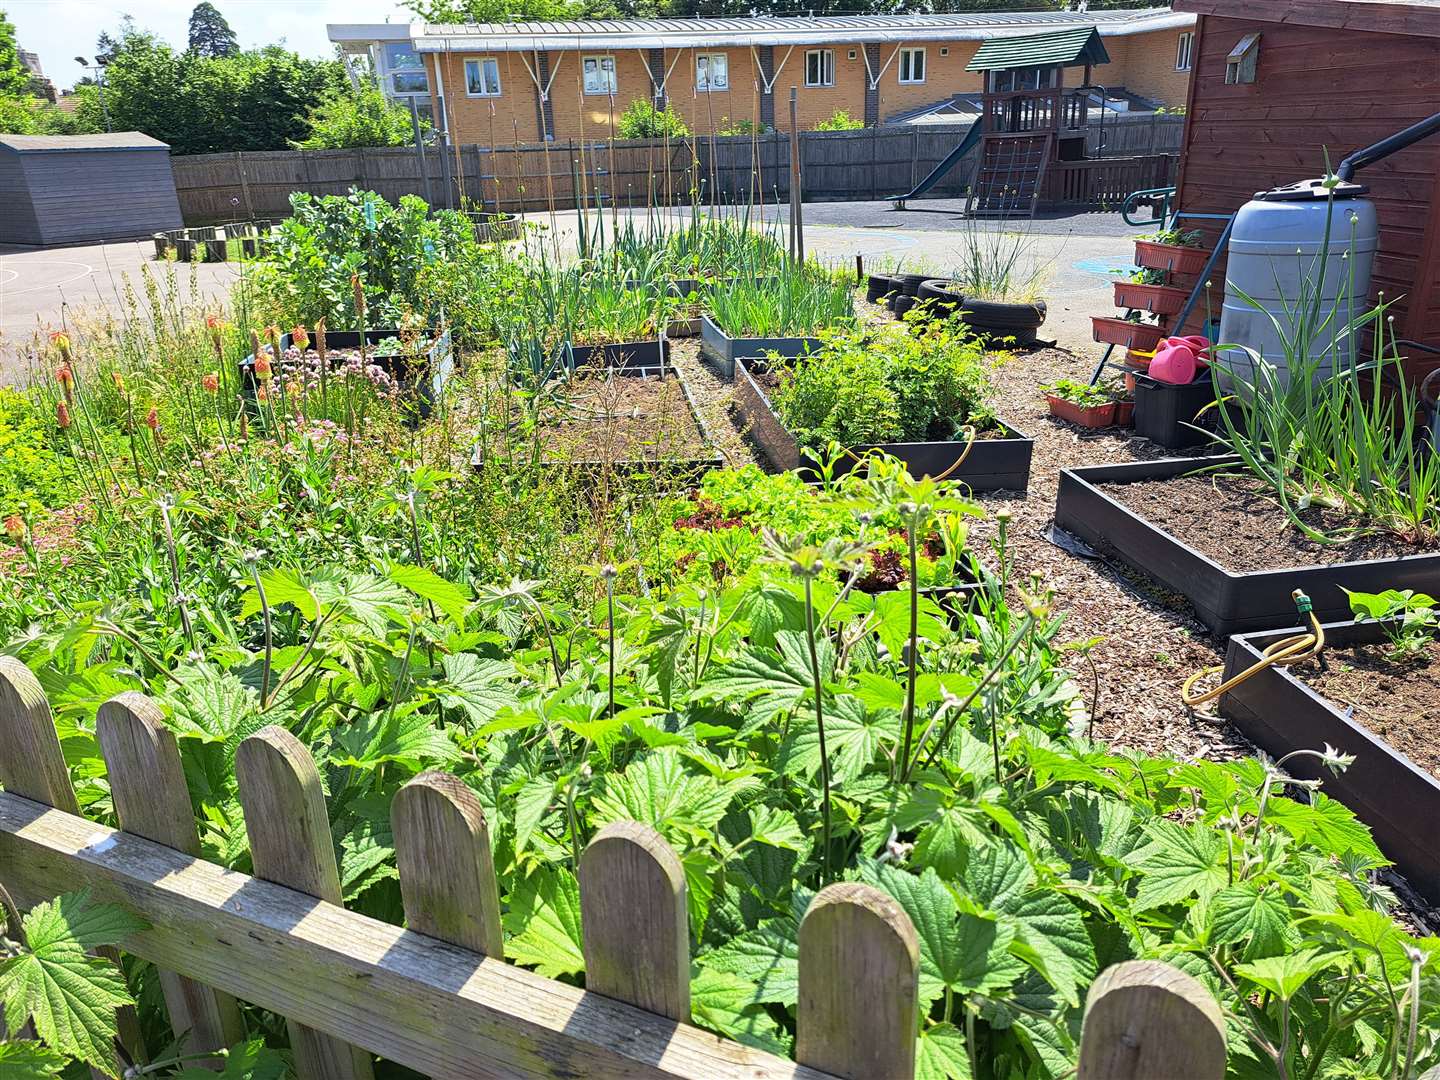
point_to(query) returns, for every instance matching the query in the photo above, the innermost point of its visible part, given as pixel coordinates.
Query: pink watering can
(1179, 359)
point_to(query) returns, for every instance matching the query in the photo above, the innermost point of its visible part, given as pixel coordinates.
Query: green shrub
(840, 120)
(896, 385)
(344, 119)
(642, 120)
(32, 470)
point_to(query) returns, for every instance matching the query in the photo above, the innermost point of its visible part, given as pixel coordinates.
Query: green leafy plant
(642, 120)
(839, 120)
(1175, 237)
(1082, 394)
(791, 302)
(1412, 617)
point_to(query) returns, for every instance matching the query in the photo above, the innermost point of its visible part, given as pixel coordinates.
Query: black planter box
(427, 376)
(681, 471)
(1226, 601)
(993, 464)
(720, 350)
(1165, 413)
(1277, 711)
(622, 354)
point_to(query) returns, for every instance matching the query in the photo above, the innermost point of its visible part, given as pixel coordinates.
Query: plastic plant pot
(1129, 335)
(1085, 416)
(1172, 257)
(1125, 414)
(1156, 299)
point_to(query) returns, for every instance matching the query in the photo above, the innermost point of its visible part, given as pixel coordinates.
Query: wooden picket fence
(437, 997)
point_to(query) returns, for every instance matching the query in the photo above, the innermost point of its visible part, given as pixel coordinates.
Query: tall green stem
(912, 659)
(820, 729)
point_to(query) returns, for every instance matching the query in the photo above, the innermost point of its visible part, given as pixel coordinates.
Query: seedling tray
(1226, 601)
(720, 350)
(1279, 712)
(427, 374)
(675, 470)
(993, 464)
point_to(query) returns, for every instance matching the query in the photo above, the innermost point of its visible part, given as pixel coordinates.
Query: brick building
(502, 83)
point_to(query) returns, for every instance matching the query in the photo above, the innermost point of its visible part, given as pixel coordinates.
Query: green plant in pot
(1086, 405)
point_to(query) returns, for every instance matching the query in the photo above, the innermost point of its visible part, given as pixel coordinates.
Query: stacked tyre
(998, 320)
(940, 295)
(880, 286)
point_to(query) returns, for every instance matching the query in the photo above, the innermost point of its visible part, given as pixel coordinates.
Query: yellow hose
(1286, 651)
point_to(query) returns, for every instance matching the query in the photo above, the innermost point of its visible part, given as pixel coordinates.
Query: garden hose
(969, 445)
(1286, 651)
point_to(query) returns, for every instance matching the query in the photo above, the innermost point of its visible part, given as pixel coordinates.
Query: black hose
(1387, 146)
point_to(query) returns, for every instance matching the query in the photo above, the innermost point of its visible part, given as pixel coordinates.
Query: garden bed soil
(1356, 700)
(1193, 541)
(1000, 458)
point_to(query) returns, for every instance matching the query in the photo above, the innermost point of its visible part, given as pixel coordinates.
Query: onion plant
(792, 302)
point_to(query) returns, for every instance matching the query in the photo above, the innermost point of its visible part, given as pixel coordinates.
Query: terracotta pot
(1086, 416)
(1130, 335)
(1125, 412)
(1172, 257)
(1156, 299)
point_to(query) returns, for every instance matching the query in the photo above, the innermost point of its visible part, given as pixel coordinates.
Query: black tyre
(878, 286)
(997, 315)
(903, 304)
(910, 283)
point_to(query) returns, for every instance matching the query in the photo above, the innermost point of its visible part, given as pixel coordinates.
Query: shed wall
(1317, 90)
(90, 195)
(17, 219)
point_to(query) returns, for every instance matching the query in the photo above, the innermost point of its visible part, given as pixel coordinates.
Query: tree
(641, 120)
(344, 119)
(14, 76)
(210, 34)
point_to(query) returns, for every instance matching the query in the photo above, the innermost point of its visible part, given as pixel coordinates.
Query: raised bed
(720, 350)
(1279, 712)
(427, 374)
(1156, 299)
(1109, 330)
(683, 468)
(993, 464)
(645, 354)
(1226, 601)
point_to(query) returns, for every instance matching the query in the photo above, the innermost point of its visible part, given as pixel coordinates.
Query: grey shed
(75, 189)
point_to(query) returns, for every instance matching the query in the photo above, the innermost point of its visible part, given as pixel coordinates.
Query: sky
(61, 29)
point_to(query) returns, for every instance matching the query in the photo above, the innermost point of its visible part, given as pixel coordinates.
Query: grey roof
(775, 30)
(115, 140)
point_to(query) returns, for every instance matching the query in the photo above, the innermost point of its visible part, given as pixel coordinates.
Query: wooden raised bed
(1279, 712)
(1226, 601)
(993, 464)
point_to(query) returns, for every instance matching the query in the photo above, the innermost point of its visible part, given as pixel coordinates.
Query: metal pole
(797, 224)
(420, 152)
(100, 82)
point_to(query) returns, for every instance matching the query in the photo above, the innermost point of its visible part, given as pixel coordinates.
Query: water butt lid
(1306, 190)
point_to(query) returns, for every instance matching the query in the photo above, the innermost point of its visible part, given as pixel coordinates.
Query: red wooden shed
(1329, 76)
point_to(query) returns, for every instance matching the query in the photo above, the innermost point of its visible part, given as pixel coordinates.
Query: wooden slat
(1145, 1019)
(859, 985)
(290, 844)
(411, 999)
(635, 928)
(447, 872)
(147, 786)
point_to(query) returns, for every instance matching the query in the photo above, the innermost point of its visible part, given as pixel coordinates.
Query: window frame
(600, 58)
(391, 71)
(827, 66)
(910, 51)
(710, 87)
(480, 62)
(1185, 45)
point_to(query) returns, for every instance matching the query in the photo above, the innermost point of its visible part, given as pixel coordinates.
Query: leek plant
(792, 302)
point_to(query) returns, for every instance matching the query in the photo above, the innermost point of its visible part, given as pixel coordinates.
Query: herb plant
(1413, 618)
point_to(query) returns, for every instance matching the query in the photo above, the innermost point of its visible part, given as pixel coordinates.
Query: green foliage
(346, 118)
(641, 120)
(14, 76)
(210, 35)
(840, 120)
(32, 457)
(1082, 394)
(1412, 617)
(900, 384)
(786, 301)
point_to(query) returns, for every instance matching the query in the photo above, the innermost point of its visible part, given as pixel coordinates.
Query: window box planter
(993, 464)
(1277, 711)
(1109, 330)
(621, 354)
(652, 460)
(1226, 601)
(720, 350)
(1085, 416)
(1156, 299)
(1181, 260)
(426, 374)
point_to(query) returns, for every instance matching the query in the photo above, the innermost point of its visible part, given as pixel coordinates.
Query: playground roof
(1068, 48)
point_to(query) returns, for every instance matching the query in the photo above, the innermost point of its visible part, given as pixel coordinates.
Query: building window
(712, 72)
(599, 72)
(404, 70)
(1183, 49)
(912, 65)
(820, 67)
(482, 77)
(944, 50)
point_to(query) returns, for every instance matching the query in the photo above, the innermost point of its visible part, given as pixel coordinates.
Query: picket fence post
(1145, 1019)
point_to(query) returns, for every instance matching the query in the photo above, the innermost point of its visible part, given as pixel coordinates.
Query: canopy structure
(1075, 47)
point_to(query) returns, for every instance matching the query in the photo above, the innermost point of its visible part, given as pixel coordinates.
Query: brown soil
(1235, 521)
(1398, 701)
(622, 418)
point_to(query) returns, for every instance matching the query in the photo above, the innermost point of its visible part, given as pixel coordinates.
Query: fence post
(147, 787)
(859, 985)
(290, 844)
(1144, 1019)
(447, 872)
(32, 765)
(633, 920)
